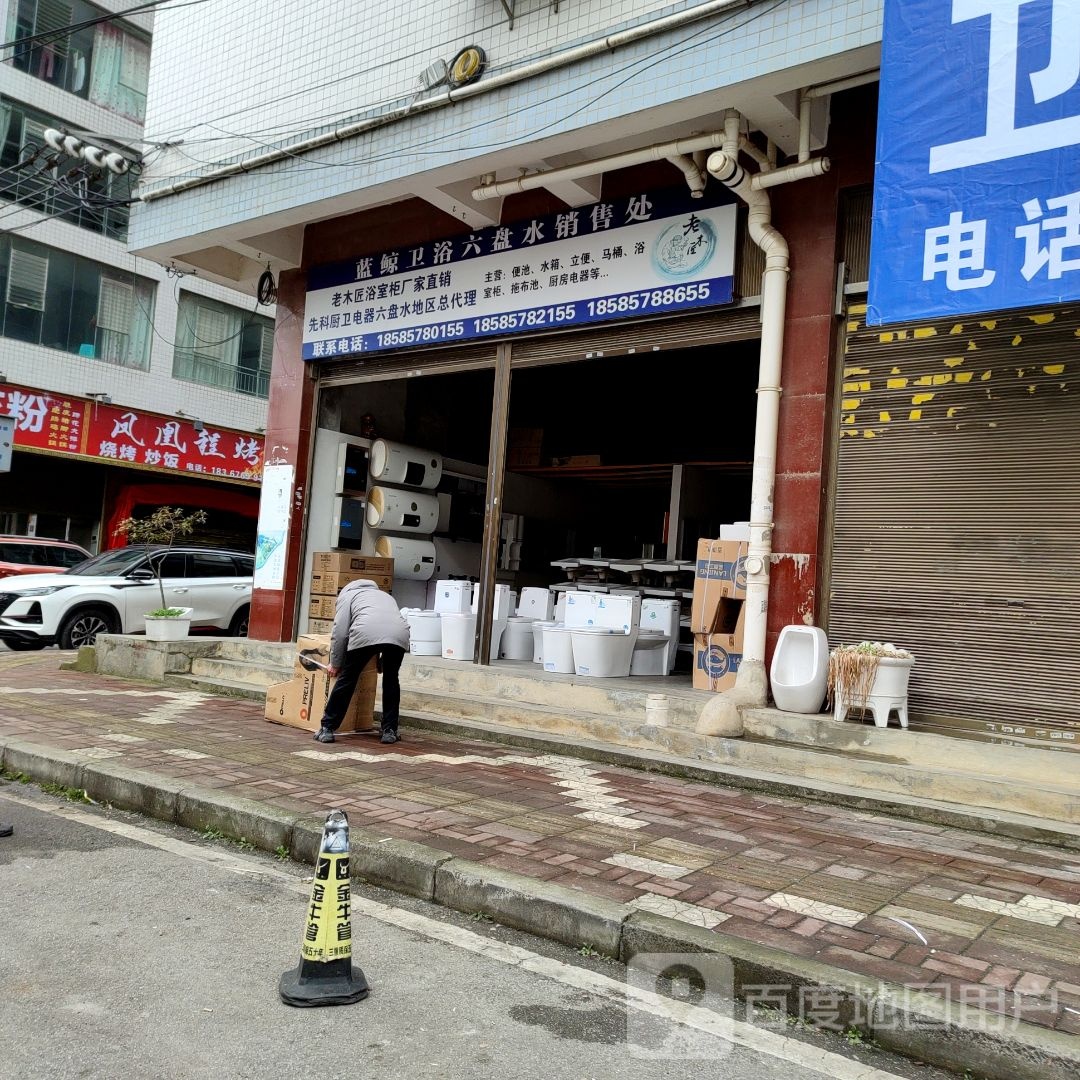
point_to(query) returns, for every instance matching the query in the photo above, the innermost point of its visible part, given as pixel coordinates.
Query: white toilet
(601, 652)
(558, 648)
(538, 629)
(800, 669)
(658, 641)
(425, 632)
(458, 635)
(535, 603)
(517, 639)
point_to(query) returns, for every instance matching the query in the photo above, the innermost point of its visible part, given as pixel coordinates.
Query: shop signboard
(976, 200)
(76, 427)
(626, 258)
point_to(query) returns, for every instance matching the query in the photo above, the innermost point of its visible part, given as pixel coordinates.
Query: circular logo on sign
(684, 248)
(715, 662)
(739, 573)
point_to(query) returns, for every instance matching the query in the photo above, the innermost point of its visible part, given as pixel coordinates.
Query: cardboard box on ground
(716, 615)
(301, 701)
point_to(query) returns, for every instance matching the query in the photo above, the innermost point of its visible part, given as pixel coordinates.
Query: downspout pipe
(677, 152)
(751, 683)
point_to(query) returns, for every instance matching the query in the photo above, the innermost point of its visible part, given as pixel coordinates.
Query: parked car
(35, 555)
(111, 593)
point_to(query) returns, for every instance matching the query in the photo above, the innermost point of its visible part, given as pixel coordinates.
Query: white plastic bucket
(517, 639)
(558, 649)
(458, 635)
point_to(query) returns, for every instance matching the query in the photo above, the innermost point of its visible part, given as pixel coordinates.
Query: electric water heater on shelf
(414, 559)
(394, 463)
(395, 510)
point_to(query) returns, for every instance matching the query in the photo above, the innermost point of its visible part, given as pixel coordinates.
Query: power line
(46, 37)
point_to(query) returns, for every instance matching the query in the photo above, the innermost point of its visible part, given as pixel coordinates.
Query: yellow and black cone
(325, 975)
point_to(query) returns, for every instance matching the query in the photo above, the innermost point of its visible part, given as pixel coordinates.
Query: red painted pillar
(808, 215)
(288, 441)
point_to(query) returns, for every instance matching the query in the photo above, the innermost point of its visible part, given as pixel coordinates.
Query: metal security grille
(957, 516)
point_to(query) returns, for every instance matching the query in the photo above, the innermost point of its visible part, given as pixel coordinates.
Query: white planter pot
(888, 693)
(168, 627)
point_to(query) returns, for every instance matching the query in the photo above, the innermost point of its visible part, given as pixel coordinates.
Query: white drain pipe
(724, 165)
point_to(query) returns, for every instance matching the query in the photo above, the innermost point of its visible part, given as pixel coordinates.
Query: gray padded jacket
(365, 615)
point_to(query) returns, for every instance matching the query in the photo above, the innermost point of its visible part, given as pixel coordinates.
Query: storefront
(81, 465)
(617, 426)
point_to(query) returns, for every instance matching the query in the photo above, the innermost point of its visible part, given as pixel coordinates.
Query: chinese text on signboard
(976, 200)
(81, 428)
(641, 255)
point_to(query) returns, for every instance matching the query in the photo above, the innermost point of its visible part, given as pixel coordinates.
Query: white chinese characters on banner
(989, 218)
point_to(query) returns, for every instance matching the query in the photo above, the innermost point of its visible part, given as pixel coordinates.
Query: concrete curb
(910, 1022)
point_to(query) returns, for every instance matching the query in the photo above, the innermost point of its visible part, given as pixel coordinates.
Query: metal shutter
(957, 515)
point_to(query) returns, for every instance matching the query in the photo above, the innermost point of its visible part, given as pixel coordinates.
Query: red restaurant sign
(55, 424)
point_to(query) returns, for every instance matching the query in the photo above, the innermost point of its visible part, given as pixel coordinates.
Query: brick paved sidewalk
(992, 921)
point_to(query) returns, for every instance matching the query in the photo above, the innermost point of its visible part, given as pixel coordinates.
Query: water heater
(413, 559)
(395, 510)
(394, 463)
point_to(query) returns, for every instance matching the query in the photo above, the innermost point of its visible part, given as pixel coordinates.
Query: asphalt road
(139, 955)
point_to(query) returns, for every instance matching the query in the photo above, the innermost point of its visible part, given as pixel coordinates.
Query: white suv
(110, 594)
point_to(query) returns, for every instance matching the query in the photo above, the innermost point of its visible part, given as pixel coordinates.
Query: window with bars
(222, 346)
(107, 63)
(63, 301)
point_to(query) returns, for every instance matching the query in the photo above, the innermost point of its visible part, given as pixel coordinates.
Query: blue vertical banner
(977, 179)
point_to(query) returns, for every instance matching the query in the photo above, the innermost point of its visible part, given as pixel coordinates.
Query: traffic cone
(325, 975)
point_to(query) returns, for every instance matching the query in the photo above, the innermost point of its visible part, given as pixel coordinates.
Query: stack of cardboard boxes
(716, 617)
(331, 571)
(301, 701)
(524, 447)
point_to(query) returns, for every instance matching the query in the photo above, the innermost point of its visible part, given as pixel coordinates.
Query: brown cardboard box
(349, 562)
(300, 702)
(577, 461)
(720, 571)
(330, 584)
(717, 655)
(522, 457)
(321, 607)
(320, 626)
(525, 437)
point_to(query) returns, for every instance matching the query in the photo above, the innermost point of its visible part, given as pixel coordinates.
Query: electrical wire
(425, 147)
(47, 37)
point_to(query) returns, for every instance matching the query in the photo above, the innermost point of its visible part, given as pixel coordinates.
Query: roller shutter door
(956, 511)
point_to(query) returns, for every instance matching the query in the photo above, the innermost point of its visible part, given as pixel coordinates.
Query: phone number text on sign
(645, 301)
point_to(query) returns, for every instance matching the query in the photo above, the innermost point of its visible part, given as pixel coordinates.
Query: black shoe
(6, 830)
(324, 734)
(389, 736)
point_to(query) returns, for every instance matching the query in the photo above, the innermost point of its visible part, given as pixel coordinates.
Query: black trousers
(345, 686)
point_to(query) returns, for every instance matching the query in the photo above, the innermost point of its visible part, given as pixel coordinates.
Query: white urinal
(800, 669)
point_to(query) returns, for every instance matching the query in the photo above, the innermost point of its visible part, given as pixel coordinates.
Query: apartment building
(129, 384)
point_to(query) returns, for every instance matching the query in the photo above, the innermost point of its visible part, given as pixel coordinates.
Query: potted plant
(871, 675)
(163, 527)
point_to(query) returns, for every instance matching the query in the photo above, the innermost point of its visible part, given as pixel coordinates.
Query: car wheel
(239, 625)
(24, 645)
(82, 627)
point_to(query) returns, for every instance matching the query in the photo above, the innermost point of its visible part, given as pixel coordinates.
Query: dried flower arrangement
(853, 668)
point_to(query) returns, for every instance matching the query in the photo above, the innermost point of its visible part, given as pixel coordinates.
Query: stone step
(249, 672)
(280, 654)
(524, 684)
(1027, 764)
(219, 687)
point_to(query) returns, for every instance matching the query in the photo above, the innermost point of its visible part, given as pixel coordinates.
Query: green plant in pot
(870, 675)
(162, 529)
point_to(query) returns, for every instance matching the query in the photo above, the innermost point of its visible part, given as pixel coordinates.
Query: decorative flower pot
(168, 627)
(887, 693)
